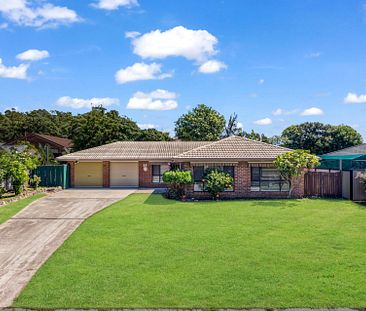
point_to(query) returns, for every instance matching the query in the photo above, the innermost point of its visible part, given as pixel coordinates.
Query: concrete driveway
(29, 238)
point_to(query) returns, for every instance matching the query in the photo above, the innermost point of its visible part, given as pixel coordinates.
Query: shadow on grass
(158, 199)
(271, 203)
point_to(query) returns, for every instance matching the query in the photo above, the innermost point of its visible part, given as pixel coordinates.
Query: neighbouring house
(142, 164)
(350, 161)
(55, 145)
(352, 158)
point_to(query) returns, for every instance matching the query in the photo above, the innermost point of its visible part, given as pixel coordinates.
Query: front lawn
(9, 210)
(146, 251)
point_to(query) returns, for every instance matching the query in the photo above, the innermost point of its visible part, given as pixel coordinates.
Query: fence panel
(323, 184)
(53, 175)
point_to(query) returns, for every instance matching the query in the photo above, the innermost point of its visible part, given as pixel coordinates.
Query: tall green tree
(99, 127)
(153, 135)
(201, 123)
(320, 138)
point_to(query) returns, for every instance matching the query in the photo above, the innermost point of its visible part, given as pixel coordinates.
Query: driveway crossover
(30, 237)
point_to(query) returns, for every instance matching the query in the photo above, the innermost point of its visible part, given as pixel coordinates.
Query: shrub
(217, 181)
(36, 180)
(176, 181)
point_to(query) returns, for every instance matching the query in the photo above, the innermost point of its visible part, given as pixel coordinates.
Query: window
(267, 179)
(199, 171)
(158, 171)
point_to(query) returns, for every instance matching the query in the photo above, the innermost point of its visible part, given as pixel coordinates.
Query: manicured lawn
(11, 209)
(146, 251)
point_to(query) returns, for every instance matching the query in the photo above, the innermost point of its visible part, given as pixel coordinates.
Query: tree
(232, 127)
(201, 123)
(291, 165)
(343, 136)
(320, 138)
(177, 180)
(153, 135)
(217, 181)
(16, 165)
(256, 136)
(99, 127)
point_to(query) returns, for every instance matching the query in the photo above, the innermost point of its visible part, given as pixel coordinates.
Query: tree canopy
(201, 123)
(320, 138)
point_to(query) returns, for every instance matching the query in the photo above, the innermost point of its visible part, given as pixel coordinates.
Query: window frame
(260, 180)
(160, 175)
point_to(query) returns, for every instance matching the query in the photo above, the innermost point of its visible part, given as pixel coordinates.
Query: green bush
(36, 180)
(177, 181)
(217, 181)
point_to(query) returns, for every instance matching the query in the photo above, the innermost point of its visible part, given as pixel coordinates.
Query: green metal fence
(53, 175)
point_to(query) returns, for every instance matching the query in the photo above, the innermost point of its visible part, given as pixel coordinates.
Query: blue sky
(273, 62)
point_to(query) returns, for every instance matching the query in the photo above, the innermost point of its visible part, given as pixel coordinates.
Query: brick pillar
(106, 174)
(72, 173)
(242, 178)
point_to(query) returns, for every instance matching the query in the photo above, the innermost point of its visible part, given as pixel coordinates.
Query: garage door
(89, 174)
(124, 174)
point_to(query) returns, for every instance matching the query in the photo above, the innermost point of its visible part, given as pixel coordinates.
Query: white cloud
(4, 25)
(38, 14)
(141, 71)
(156, 100)
(211, 66)
(33, 55)
(313, 111)
(283, 112)
(114, 4)
(265, 121)
(146, 126)
(240, 125)
(77, 103)
(260, 81)
(131, 34)
(353, 98)
(14, 72)
(197, 45)
(313, 55)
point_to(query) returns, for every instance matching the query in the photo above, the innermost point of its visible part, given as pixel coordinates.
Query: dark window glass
(267, 179)
(198, 172)
(229, 170)
(156, 170)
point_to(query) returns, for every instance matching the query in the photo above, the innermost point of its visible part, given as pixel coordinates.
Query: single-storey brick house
(142, 164)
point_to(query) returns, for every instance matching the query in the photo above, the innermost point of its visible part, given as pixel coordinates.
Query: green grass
(146, 251)
(11, 209)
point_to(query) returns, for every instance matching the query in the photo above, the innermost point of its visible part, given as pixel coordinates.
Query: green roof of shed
(343, 157)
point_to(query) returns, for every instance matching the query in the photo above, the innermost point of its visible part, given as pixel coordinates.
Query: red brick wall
(145, 177)
(106, 174)
(242, 186)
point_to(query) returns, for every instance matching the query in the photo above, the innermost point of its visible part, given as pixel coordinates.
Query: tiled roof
(234, 147)
(360, 149)
(64, 142)
(135, 150)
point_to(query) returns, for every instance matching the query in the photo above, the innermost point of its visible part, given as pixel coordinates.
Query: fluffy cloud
(211, 66)
(265, 121)
(37, 13)
(131, 34)
(313, 111)
(114, 4)
(33, 55)
(260, 81)
(146, 126)
(156, 100)
(353, 98)
(141, 71)
(14, 72)
(77, 103)
(197, 45)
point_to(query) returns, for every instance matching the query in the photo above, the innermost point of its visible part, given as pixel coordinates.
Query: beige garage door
(89, 174)
(124, 174)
